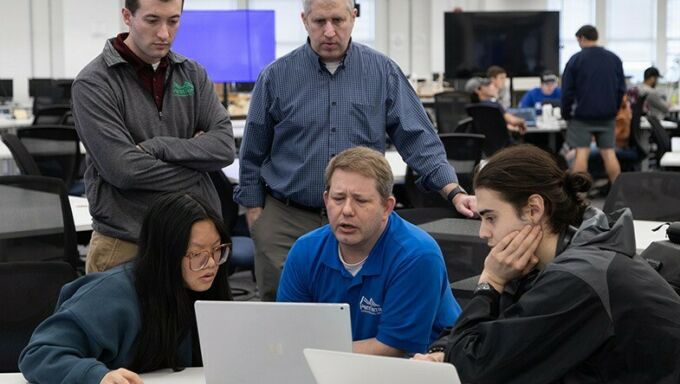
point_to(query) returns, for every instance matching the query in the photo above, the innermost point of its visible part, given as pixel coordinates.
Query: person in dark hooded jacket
(563, 297)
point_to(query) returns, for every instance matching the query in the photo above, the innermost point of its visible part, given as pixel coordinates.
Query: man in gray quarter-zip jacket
(151, 123)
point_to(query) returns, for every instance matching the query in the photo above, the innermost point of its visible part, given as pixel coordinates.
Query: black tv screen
(523, 43)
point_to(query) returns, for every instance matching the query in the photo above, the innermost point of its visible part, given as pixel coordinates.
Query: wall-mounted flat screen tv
(524, 43)
(233, 46)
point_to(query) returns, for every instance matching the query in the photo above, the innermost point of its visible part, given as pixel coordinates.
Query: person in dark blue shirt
(549, 91)
(592, 91)
(391, 273)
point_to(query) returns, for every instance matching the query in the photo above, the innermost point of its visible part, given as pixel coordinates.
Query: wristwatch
(454, 192)
(486, 289)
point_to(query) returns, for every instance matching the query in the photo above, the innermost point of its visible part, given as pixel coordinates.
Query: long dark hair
(519, 171)
(166, 306)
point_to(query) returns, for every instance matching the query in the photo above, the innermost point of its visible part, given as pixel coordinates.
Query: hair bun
(577, 182)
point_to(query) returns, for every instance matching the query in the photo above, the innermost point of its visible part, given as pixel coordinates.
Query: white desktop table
(670, 159)
(165, 376)
(10, 124)
(396, 163)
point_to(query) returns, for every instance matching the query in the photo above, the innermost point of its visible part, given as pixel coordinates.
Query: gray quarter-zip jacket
(136, 152)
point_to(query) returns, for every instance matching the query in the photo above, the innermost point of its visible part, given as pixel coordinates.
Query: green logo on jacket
(186, 89)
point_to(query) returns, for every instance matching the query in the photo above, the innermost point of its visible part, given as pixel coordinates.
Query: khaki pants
(274, 233)
(106, 252)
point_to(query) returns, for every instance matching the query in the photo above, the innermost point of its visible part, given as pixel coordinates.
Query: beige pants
(106, 252)
(274, 233)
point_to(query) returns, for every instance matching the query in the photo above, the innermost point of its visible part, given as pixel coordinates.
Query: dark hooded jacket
(597, 314)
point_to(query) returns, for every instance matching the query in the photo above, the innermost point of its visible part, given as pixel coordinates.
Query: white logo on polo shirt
(369, 306)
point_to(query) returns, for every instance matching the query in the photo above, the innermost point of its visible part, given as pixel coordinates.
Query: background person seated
(563, 295)
(655, 102)
(138, 316)
(390, 272)
(549, 91)
(484, 91)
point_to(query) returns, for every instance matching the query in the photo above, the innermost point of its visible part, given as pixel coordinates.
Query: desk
(239, 127)
(11, 124)
(396, 163)
(670, 159)
(165, 376)
(24, 206)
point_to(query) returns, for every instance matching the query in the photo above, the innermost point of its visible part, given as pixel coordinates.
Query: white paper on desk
(675, 144)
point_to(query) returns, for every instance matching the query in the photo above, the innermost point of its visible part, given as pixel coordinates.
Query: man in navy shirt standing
(328, 95)
(390, 272)
(592, 90)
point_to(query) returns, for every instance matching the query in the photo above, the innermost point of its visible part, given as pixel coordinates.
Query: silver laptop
(253, 342)
(331, 367)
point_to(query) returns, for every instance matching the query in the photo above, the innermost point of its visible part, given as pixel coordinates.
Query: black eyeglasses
(199, 260)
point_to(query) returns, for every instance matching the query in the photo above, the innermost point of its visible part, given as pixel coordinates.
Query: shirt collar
(315, 59)
(374, 263)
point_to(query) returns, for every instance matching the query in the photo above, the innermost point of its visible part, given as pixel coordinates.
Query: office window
(573, 15)
(631, 34)
(291, 33)
(673, 41)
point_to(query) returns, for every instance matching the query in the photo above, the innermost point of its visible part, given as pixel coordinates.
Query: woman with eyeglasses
(139, 316)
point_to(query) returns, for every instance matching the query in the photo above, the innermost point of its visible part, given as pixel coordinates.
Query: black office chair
(465, 126)
(649, 195)
(242, 256)
(22, 157)
(37, 222)
(464, 152)
(449, 109)
(488, 120)
(28, 295)
(56, 151)
(52, 114)
(68, 119)
(659, 137)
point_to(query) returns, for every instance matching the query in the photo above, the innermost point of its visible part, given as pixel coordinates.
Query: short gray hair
(307, 5)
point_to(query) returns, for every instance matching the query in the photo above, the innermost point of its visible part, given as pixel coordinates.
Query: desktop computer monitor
(6, 90)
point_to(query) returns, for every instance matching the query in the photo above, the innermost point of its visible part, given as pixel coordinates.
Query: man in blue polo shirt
(391, 273)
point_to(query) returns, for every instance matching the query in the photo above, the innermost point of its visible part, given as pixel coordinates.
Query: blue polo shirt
(401, 295)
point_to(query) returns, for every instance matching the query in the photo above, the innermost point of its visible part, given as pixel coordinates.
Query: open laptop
(528, 114)
(254, 342)
(331, 367)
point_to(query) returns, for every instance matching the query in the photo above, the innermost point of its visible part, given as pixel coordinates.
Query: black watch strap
(454, 192)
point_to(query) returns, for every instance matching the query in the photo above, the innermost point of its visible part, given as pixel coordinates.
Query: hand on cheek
(512, 257)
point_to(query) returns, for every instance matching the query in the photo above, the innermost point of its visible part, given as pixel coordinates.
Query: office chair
(56, 151)
(464, 152)
(449, 109)
(37, 222)
(28, 295)
(659, 137)
(465, 126)
(242, 247)
(649, 195)
(488, 120)
(22, 157)
(51, 114)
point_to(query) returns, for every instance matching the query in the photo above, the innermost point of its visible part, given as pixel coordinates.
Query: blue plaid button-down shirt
(301, 116)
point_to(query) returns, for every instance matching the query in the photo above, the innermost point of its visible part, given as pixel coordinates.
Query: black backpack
(664, 256)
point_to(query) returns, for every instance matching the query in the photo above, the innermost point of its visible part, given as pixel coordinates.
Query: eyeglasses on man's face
(199, 260)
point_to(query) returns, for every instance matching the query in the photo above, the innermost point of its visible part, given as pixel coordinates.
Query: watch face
(484, 287)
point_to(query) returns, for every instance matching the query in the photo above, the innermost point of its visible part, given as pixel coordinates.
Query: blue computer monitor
(233, 46)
